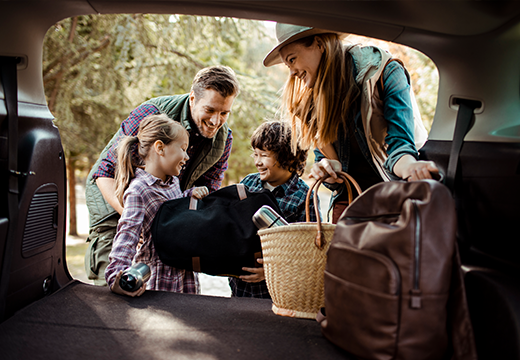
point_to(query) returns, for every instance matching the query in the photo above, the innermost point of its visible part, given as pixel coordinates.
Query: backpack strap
(380, 81)
(420, 133)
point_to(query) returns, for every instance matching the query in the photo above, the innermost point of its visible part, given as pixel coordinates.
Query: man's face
(210, 112)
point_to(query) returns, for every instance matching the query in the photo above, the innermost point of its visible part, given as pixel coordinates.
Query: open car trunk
(46, 315)
(83, 321)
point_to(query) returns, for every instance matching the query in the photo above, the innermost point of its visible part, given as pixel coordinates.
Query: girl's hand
(257, 273)
(326, 168)
(200, 192)
(117, 289)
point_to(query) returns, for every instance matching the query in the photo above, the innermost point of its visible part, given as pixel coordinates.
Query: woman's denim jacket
(384, 126)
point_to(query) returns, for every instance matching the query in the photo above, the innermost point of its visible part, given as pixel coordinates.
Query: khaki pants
(96, 257)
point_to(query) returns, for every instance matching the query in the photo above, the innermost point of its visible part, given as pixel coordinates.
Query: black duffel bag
(215, 235)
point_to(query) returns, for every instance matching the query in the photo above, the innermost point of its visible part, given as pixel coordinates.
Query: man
(203, 112)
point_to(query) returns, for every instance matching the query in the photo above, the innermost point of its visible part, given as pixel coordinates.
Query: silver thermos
(134, 277)
(266, 217)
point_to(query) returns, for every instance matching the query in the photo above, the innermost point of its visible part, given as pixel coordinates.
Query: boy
(279, 170)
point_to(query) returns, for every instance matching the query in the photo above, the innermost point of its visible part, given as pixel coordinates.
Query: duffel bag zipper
(415, 292)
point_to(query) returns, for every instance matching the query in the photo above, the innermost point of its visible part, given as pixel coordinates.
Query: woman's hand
(117, 289)
(200, 192)
(257, 273)
(410, 169)
(326, 168)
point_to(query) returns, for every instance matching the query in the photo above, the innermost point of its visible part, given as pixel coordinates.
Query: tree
(73, 50)
(97, 68)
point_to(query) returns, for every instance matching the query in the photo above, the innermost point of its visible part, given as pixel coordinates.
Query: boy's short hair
(275, 136)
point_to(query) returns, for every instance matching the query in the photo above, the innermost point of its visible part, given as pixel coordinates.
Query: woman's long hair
(316, 113)
(152, 128)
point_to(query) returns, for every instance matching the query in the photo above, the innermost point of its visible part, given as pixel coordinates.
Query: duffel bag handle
(241, 190)
(347, 179)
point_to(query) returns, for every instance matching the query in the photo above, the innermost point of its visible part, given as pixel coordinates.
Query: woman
(337, 104)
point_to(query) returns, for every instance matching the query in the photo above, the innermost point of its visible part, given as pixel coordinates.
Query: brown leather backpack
(393, 281)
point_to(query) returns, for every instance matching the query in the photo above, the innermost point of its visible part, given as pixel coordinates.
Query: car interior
(475, 139)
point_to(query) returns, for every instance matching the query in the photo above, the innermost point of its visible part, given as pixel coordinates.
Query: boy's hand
(257, 273)
(200, 192)
(117, 289)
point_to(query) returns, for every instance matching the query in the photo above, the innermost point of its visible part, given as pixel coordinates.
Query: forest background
(97, 68)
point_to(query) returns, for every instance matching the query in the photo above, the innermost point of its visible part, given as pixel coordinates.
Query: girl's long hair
(132, 151)
(316, 113)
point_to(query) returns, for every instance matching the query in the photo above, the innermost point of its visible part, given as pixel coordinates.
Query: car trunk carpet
(83, 321)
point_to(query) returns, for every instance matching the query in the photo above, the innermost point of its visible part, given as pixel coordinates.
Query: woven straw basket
(294, 260)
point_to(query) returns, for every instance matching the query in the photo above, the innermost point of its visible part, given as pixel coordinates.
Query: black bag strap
(241, 190)
(453, 181)
(462, 126)
(461, 330)
(9, 82)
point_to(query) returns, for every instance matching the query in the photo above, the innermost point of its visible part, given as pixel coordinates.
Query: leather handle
(193, 203)
(242, 194)
(321, 317)
(241, 189)
(195, 263)
(319, 242)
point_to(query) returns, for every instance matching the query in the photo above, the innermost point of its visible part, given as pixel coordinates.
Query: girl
(334, 100)
(141, 187)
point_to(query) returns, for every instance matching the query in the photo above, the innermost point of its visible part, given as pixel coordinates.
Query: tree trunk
(71, 170)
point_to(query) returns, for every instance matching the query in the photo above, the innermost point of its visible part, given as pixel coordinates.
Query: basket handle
(347, 180)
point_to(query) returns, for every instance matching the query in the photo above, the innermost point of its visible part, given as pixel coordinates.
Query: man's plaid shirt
(291, 199)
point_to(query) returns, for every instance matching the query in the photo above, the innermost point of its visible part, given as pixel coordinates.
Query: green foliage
(98, 68)
(85, 96)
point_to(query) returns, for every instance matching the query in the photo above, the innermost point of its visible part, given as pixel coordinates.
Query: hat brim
(273, 57)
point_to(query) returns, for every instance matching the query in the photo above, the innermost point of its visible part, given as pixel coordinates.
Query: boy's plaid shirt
(291, 199)
(290, 196)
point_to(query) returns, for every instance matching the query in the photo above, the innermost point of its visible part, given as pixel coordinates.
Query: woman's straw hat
(286, 34)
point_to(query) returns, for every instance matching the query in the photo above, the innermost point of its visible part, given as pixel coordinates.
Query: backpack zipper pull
(415, 299)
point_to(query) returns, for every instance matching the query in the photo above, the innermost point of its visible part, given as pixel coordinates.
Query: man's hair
(220, 78)
(275, 136)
